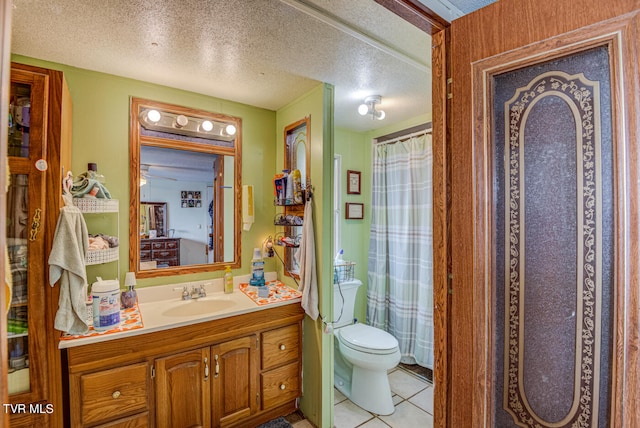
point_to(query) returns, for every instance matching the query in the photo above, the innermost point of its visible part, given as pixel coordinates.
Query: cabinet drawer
(145, 245)
(165, 254)
(280, 385)
(145, 256)
(280, 346)
(171, 245)
(158, 245)
(110, 393)
(137, 421)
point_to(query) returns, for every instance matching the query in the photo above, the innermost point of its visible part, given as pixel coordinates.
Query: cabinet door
(183, 393)
(25, 218)
(235, 376)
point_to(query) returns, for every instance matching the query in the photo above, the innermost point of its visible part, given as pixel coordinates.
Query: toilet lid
(366, 338)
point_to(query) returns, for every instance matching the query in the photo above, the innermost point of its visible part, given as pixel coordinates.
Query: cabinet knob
(282, 347)
(116, 394)
(283, 386)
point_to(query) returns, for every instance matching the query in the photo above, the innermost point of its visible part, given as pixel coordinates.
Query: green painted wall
(317, 400)
(355, 148)
(101, 135)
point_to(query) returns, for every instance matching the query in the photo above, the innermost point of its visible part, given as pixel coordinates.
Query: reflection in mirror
(184, 191)
(297, 156)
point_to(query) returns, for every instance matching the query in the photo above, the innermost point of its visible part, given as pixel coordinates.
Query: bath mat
(278, 292)
(277, 423)
(130, 319)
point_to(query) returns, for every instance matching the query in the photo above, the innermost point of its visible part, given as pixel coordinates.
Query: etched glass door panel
(25, 217)
(554, 221)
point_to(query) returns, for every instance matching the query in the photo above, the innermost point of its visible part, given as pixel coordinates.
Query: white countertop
(162, 308)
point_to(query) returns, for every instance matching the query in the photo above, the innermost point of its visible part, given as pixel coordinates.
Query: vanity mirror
(184, 191)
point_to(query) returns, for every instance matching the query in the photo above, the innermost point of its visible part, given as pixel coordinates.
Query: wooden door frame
(425, 19)
(5, 71)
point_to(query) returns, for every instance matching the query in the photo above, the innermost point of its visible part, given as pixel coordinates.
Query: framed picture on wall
(354, 211)
(353, 182)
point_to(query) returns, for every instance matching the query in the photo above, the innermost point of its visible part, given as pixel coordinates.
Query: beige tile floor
(412, 396)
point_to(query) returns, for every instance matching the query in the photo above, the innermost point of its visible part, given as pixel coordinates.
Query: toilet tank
(344, 302)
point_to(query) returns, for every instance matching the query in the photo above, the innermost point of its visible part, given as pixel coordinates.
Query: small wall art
(353, 182)
(354, 211)
(191, 199)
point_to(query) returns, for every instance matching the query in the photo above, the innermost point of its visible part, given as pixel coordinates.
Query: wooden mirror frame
(136, 141)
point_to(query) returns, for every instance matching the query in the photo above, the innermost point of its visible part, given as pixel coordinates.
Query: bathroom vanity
(235, 367)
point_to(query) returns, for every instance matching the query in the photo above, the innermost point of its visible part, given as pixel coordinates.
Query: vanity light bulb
(230, 130)
(181, 121)
(363, 109)
(380, 114)
(207, 125)
(153, 116)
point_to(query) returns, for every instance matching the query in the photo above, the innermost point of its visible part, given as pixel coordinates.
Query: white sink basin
(202, 306)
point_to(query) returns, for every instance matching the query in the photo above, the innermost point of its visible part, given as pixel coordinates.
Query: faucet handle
(203, 292)
(185, 292)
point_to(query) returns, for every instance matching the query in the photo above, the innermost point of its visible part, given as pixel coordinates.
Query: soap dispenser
(129, 298)
(228, 280)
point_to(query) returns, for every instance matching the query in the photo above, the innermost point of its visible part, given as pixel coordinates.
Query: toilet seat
(364, 338)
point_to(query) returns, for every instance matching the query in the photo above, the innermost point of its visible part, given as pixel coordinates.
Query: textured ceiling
(264, 53)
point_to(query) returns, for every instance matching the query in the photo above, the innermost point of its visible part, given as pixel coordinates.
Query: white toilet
(363, 354)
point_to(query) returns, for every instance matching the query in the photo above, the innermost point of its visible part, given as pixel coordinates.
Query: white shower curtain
(400, 273)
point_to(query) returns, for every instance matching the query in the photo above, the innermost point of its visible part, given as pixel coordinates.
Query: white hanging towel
(67, 264)
(307, 254)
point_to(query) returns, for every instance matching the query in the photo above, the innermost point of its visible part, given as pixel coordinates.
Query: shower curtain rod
(405, 137)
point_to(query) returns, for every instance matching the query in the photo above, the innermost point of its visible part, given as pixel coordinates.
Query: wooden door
(183, 390)
(544, 149)
(234, 377)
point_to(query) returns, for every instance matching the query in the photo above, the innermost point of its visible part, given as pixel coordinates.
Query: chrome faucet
(196, 292)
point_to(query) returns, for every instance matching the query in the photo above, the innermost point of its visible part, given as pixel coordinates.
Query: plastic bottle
(257, 269)
(288, 187)
(338, 260)
(296, 177)
(228, 280)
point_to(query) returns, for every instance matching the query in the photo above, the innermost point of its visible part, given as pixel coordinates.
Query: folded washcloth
(111, 241)
(97, 243)
(87, 186)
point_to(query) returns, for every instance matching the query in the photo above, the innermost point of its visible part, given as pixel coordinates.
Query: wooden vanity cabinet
(239, 371)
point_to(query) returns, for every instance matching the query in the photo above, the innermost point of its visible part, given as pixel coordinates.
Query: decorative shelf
(97, 257)
(96, 205)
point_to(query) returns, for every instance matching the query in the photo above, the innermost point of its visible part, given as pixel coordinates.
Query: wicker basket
(96, 205)
(97, 257)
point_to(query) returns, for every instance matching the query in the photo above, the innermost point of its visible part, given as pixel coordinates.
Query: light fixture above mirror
(180, 124)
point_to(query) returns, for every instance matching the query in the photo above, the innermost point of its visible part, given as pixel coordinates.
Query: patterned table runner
(278, 292)
(130, 319)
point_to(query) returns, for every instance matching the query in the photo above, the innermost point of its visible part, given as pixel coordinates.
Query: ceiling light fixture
(369, 107)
